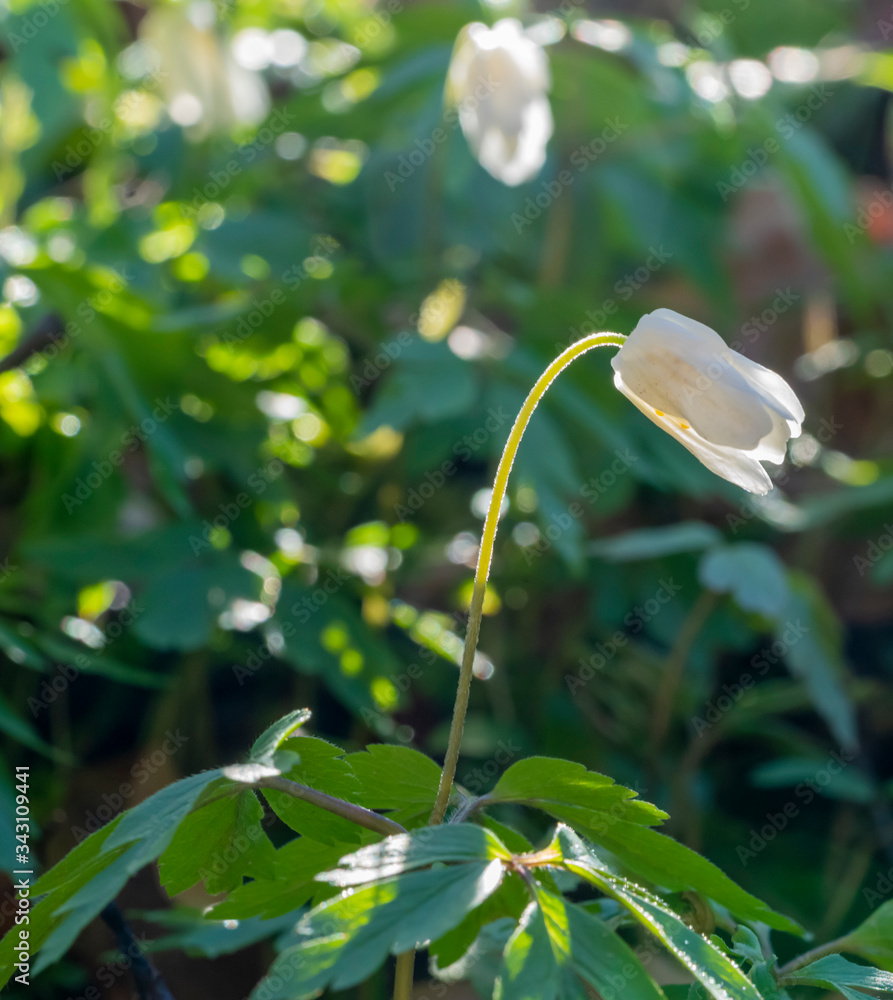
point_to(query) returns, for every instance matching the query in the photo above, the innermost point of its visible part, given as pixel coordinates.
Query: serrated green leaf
(532, 962)
(323, 767)
(665, 862)
(406, 851)
(481, 963)
(549, 783)
(156, 818)
(394, 777)
(268, 742)
(129, 843)
(581, 949)
(509, 901)
(746, 944)
(292, 885)
(752, 573)
(516, 842)
(348, 937)
(873, 938)
(82, 864)
(765, 981)
(717, 973)
(218, 843)
(834, 972)
(601, 958)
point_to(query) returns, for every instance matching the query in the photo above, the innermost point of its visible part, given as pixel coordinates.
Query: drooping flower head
(203, 86)
(730, 412)
(498, 79)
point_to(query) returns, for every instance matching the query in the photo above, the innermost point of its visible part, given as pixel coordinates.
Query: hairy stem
(356, 814)
(808, 957)
(485, 555)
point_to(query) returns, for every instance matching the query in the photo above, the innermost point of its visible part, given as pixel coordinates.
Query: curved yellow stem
(485, 555)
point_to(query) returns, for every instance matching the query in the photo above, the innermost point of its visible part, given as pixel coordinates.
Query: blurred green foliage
(264, 353)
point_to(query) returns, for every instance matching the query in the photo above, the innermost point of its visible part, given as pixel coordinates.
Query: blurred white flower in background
(730, 412)
(498, 79)
(204, 86)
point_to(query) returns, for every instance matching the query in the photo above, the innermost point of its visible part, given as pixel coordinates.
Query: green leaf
(23, 732)
(155, 819)
(292, 885)
(406, 851)
(653, 543)
(516, 842)
(508, 901)
(813, 641)
(752, 573)
(834, 972)
(873, 938)
(394, 777)
(178, 613)
(556, 785)
(323, 767)
(219, 843)
(482, 961)
(196, 935)
(718, 974)
(765, 981)
(78, 868)
(603, 959)
(62, 650)
(846, 782)
(268, 742)
(347, 938)
(667, 863)
(89, 878)
(429, 383)
(532, 960)
(559, 944)
(746, 944)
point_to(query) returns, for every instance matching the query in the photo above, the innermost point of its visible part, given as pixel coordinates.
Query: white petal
(498, 77)
(678, 374)
(773, 389)
(774, 447)
(514, 159)
(664, 322)
(733, 464)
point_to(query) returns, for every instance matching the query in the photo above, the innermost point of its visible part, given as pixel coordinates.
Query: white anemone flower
(498, 79)
(730, 412)
(205, 89)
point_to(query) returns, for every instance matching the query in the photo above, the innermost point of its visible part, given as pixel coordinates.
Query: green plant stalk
(405, 961)
(356, 814)
(485, 555)
(403, 975)
(813, 955)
